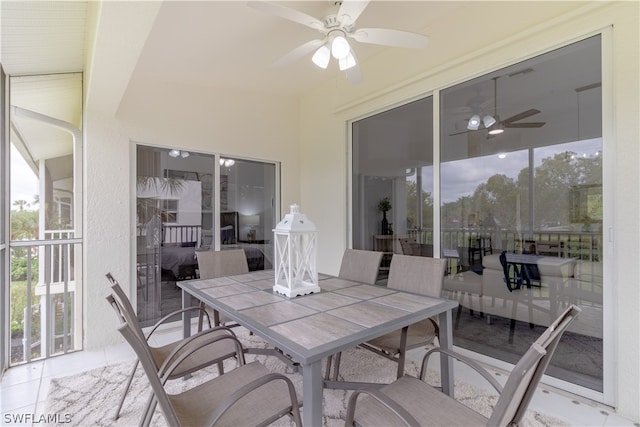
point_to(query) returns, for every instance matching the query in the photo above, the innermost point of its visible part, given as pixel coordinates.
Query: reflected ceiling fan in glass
(494, 125)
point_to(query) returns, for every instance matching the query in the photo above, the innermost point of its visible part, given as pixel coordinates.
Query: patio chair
(172, 351)
(411, 401)
(360, 266)
(247, 395)
(420, 275)
(212, 264)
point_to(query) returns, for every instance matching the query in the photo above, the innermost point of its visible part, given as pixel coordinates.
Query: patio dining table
(311, 327)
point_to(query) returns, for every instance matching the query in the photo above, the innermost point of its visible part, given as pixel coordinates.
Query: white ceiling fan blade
(385, 37)
(350, 10)
(287, 13)
(298, 53)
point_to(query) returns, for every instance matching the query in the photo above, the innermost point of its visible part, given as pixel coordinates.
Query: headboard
(228, 227)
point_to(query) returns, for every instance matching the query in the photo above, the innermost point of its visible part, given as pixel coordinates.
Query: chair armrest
(248, 388)
(172, 362)
(469, 362)
(174, 313)
(384, 400)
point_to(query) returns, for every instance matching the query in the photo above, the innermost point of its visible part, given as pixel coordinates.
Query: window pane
(393, 182)
(533, 193)
(247, 204)
(174, 218)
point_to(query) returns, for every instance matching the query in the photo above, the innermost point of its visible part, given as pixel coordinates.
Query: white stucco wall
(200, 125)
(398, 76)
(310, 137)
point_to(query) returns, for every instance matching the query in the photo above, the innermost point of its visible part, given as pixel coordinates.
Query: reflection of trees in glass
(500, 196)
(412, 206)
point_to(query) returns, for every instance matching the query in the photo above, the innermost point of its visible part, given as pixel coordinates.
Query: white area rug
(90, 398)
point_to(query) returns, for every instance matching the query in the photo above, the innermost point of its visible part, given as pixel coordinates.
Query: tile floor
(23, 389)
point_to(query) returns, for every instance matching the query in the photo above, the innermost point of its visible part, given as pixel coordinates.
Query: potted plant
(384, 205)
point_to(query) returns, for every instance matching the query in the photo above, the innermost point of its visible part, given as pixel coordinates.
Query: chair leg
(403, 350)
(327, 371)
(201, 317)
(512, 329)
(126, 389)
(336, 370)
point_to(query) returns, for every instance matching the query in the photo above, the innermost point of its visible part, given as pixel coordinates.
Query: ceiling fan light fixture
(497, 129)
(488, 121)
(340, 47)
(322, 57)
(474, 122)
(346, 63)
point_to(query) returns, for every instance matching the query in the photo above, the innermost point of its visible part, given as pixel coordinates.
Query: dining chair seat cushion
(257, 408)
(418, 335)
(424, 402)
(223, 349)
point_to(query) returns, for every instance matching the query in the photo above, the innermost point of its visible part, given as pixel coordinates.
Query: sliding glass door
(521, 211)
(522, 203)
(180, 211)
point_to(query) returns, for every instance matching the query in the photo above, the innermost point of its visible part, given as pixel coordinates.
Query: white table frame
(241, 297)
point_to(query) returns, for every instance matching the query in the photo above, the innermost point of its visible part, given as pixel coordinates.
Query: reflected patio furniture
(177, 350)
(411, 401)
(410, 246)
(250, 394)
(419, 275)
(479, 246)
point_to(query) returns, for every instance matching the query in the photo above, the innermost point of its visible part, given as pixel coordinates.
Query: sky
(24, 183)
(461, 178)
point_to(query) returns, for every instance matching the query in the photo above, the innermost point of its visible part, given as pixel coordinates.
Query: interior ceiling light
(488, 121)
(322, 57)
(227, 162)
(474, 122)
(177, 153)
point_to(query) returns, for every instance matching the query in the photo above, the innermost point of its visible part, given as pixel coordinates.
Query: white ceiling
(219, 44)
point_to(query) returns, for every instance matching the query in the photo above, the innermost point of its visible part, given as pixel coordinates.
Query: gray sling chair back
(420, 275)
(410, 401)
(248, 395)
(215, 354)
(212, 264)
(360, 266)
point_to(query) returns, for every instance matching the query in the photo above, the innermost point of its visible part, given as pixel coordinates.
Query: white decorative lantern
(295, 239)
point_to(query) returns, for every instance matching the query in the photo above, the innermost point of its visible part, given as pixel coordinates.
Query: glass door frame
(216, 245)
(610, 343)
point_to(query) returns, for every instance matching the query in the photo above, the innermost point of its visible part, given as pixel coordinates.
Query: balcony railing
(585, 245)
(46, 302)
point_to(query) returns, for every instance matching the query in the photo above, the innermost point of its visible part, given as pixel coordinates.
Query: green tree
(24, 225)
(20, 203)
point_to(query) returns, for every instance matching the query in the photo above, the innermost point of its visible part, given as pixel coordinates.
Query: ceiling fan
(494, 125)
(335, 29)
